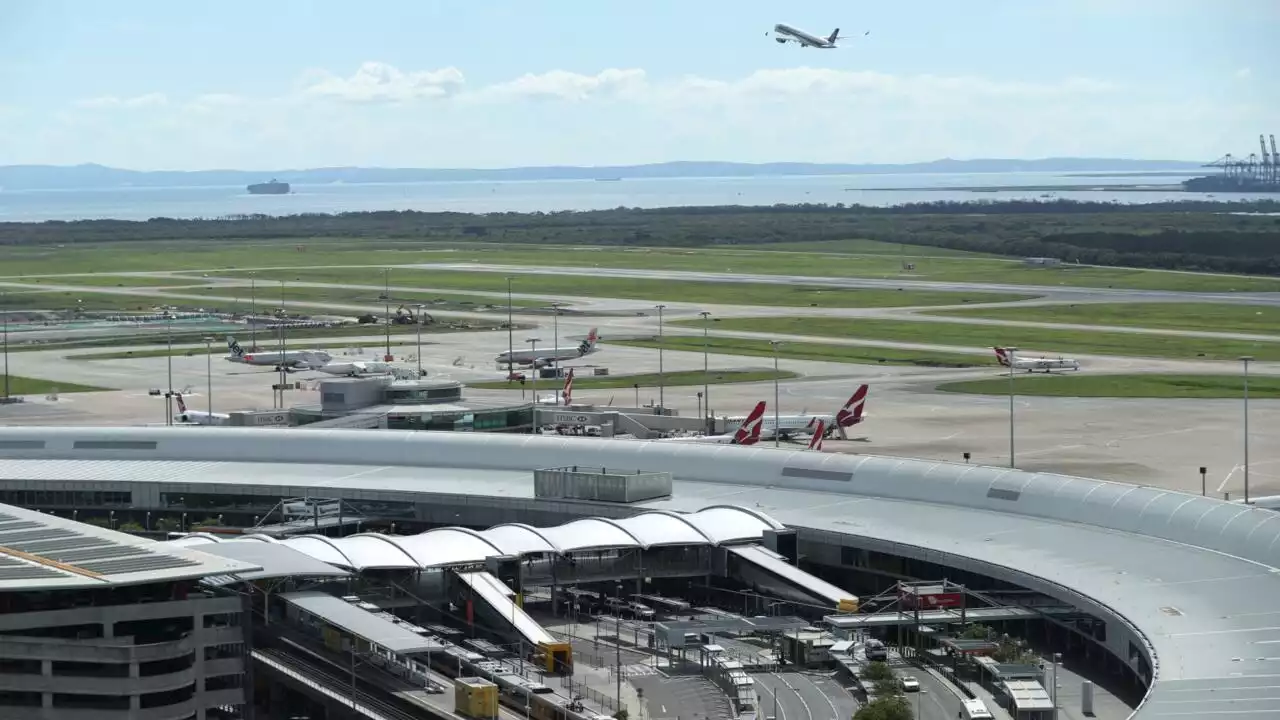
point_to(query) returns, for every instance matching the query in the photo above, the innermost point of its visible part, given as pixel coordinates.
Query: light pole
(386, 297)
(253, 310)
(1010, 355)
(511, 348)
(533, 348)
(555, 342)
(418, 318)
(208, 373)
(774, 344)
(1057, 659)
(168, 396)
(661, 377)
(4, 308)
(1246, 360)
(706, 377)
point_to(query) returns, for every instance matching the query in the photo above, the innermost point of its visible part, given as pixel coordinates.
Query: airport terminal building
(385, 402)
(1172, 592)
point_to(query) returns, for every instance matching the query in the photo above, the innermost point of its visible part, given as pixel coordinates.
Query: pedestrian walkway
(1105, 705)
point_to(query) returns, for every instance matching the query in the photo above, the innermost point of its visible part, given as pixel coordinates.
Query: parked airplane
(748, 433)
(565, 395)
(356, 368)
(850, 414)
(1031, 364)
(197, 417)
(543, 357)
(819, 430)
(289, 360)
(783, 34)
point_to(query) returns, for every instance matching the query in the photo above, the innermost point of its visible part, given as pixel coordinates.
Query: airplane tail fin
(568, 387)
(819, 429)
(851, 413)
(589, 344)
(749, 431)
(1002, 356)
(835, 35)
(234, 347)
(182, 405)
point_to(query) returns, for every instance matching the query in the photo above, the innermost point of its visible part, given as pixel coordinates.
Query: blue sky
(476, 83)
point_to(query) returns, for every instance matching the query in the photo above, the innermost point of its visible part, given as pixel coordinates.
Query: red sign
(932, 601)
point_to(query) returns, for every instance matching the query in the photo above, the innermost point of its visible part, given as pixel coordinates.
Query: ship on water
(275, 187)
(1258, 173)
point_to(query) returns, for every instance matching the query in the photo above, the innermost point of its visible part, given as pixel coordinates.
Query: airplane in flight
(543, 357)
(748, 432)
(1010, 358)
(197, 417)
(783, 34)
(289, 360)
(850, 414)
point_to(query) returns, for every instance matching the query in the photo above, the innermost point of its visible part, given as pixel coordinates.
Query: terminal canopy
(458, 547)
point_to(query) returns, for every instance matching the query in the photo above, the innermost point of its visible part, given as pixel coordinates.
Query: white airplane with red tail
(197, 417)
(850, 414)
(748, 432)
(1010, 358)
(819, 428)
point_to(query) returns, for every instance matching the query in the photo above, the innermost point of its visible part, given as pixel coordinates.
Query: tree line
(1241, 237)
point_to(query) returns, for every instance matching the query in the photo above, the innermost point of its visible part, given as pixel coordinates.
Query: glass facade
(65, 498)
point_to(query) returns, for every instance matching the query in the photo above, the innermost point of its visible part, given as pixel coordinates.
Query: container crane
(1275, 161)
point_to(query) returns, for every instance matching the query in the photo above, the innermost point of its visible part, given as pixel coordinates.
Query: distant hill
(58, 177)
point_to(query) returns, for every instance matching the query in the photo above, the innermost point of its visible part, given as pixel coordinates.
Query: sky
(151, 84)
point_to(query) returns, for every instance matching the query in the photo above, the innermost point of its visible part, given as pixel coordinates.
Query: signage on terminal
(567, 418)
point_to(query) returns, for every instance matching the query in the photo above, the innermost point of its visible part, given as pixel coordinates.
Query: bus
(975, 709)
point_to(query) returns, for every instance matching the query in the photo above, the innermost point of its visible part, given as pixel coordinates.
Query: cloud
(564, 85)
(384, 115)
(376, 82)
(1244, 73)
(111, 102)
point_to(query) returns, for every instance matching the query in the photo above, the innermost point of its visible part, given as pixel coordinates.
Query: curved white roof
(443, 547)
(654, 529)
(519, 539)
(1187, 582)
(591, 534)
(322, 549)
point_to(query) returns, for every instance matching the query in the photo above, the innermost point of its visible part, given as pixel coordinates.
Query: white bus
(976, 710)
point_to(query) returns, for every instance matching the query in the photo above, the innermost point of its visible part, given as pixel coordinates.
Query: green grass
(1031, 340)
(867, 247)
(374, 252)
(671, 379)
(268, 295)
(87, 300)
(35, 386)
(1124, 386)
(642, 288)
(821, 352)
(1209, 317)
(113, 281)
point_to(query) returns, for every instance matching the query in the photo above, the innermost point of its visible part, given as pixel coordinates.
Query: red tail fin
(851, 413)
(1002, 356)
(819, 429)
(182, 406)
(749, 432)
(568, 387)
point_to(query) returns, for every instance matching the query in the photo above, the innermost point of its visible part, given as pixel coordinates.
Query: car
(909, 684)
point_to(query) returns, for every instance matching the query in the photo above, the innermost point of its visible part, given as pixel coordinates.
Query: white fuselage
(292, 358)
(803, 38)
(356, 368)
(196, 417)
(1046, 364)
(529, 357)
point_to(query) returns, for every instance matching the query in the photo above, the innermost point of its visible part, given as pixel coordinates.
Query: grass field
(87, 300)
(671, 379)
(230, 254)
(1208, 317)
(821, 352)
(645, 289)
(1124, 386)
(1031, 340)
(114, 281)
(269, 295)
(869, 247)
(34, 386)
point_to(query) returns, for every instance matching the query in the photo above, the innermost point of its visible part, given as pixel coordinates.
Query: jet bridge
(773, 574)
(486, 594)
